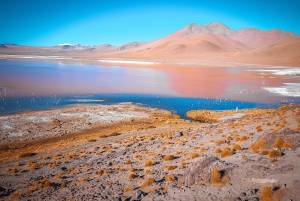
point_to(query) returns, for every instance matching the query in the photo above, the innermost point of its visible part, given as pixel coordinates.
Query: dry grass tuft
(236, 147)
(78, 181)
(244, 157)
(195, 155)
(274, 153)
(280, 143)
(169, 179)
(148, 182)
(153, 189)
(100, 172)
(149, 163)
(62, 185)
(266, 194)
(166, 187)
(132, 176)
(226, 152)
(131, 169)
(243, 138)
(169, 157)
(218, 151)
(258, 145)
(219, 142)
(169, 168)
(216, 178)
(264, 152)
(128, 162)
(128, 188)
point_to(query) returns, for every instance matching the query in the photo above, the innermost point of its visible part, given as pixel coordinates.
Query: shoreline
(182, 154)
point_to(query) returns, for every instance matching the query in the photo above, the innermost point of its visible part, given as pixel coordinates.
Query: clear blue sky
(94, 22)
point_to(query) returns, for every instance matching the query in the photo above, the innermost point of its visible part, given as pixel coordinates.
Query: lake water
(32, 85)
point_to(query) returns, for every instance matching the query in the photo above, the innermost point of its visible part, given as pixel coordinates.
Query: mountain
(193, 43)
(256, 38)
(251, 37)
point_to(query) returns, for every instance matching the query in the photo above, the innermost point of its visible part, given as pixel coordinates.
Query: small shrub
(128, 162)
(62, 185)
(153, 189)
(219, 142)
(280, 143)
(274, 154)
(132, 176)
(17, 164)
(202, 149)
(216, 178)
(226, 152)
(169, 157)
(243, 138)
(236, 147)
(266, 194)
(169, 168)
(218, 151)
(128, 188)
(166, 187)
(100, 172)
(169, 179)
(264, 152)
(258, 145)
(131, 169)
(149, 163)
(80, 180)
(244, 157)
(148, 182)
(195, 155)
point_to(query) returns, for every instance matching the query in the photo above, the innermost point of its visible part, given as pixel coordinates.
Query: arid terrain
(210, 44)
(150, 154)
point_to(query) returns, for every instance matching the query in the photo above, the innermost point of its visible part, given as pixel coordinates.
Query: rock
(177, 135)
(243, 194)
(253, 199)
(140, 194)
(199, 171)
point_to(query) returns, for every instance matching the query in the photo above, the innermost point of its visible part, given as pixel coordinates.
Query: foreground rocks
(236, 158)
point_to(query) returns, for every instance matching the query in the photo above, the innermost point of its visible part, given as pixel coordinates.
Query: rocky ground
(236, 155)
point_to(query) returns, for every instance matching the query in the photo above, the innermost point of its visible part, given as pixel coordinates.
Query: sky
(116, 22)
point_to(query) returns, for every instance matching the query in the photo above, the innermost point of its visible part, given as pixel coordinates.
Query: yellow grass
(264, 152)
(266, 194)
(280, 143)
(169, 157)
(226, 152)
(169, 179)
(148, 182)
(128, 188)
(236, 147)
(218, 151)
(195, 155)
(216, 178)
(149, 163)
(274, 154)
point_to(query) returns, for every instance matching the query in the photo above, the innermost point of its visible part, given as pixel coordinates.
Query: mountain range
(213, 41)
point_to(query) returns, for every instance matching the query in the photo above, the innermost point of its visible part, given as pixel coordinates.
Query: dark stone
(177, 134)
(243, 194)
(253, 199)
(140, 194)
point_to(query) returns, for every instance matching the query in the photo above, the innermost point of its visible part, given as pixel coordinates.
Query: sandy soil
(161, 157)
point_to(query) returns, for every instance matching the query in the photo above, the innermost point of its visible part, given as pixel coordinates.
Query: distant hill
(214, 41)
